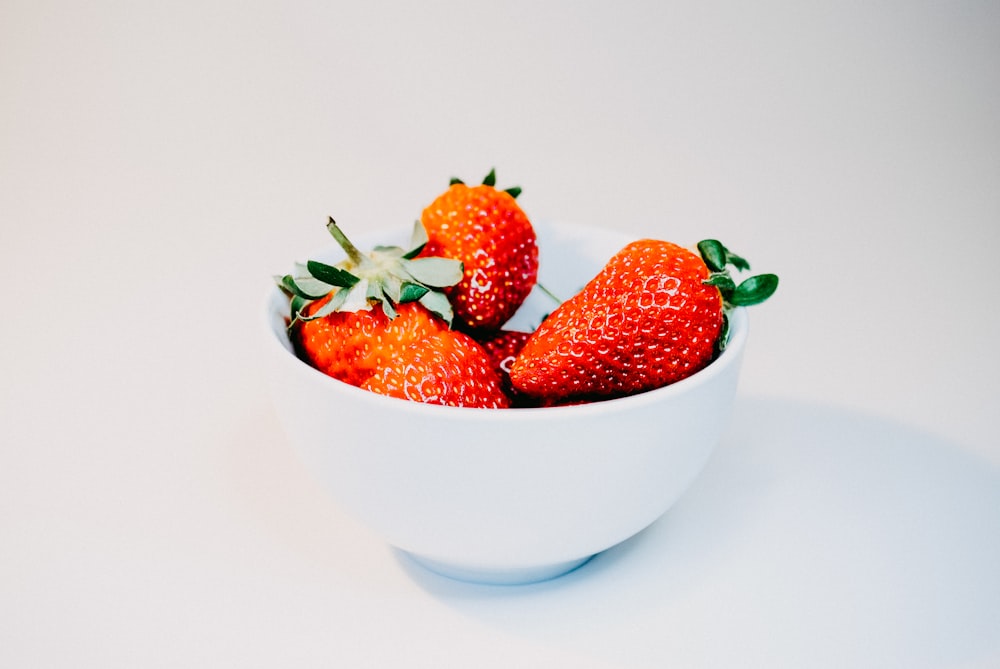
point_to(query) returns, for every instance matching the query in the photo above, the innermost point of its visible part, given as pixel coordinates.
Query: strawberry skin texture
(448, 368)
(502, 348)
(351, 346)
(485, 229)
(645, 321)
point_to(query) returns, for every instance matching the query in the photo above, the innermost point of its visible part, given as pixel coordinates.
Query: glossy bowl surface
(514, 495)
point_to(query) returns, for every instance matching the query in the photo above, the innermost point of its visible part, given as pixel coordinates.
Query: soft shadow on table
(849, 535)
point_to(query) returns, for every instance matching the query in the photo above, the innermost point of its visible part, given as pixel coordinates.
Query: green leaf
(336, 302)
(513, 191)
(736, 261)
(312, 287)
(331, 275)
(297, 305)
(328, 307)
(411, 292)
(438, 304)
(389, 310)
(418, 240)
(754, 290)
(491, 178)
(455, 180)
(356, 297)
(723, 340)
(723, 282)
(387, 251)
(435, 272)
(287, 284)
(376, 293)
(713, 253)
(306, 287)
(391, 285)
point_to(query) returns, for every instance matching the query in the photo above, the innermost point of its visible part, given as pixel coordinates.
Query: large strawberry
(487, 231)
(377, 318)
(654, 315)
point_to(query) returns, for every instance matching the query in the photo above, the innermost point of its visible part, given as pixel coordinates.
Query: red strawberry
(502, 349)
(371, 312)
(488, 232)
(654, 315)
(353, 345)
(448, 367)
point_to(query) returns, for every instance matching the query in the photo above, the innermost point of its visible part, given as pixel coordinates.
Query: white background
(160, 161)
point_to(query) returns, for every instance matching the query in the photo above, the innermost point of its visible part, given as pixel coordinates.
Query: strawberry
(448, 367)
(487, 231)
(502, 349)
(655, 314)
(404, 348)
(353, 345)
(337, 328)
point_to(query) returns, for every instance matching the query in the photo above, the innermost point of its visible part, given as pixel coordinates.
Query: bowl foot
(498, 576)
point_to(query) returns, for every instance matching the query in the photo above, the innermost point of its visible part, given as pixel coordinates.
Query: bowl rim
(279, 345)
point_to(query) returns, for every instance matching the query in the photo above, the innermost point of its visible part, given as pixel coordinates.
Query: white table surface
(160, 161)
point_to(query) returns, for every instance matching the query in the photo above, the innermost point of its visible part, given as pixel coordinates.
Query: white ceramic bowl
(513, 495)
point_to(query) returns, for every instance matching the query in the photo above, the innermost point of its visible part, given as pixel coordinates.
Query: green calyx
(386, 277)
(491, 181)
(753, 290)
(748, 292)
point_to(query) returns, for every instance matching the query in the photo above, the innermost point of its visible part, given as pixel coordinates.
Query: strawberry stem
(552, 296)
(356, 256)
